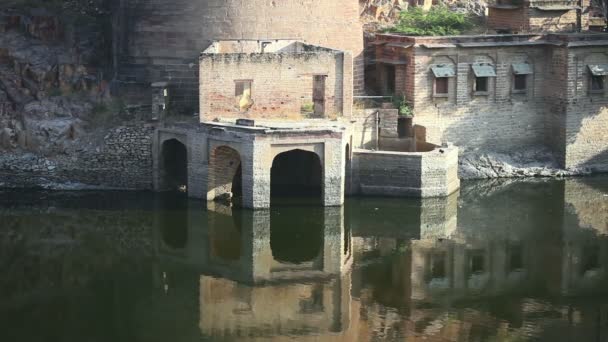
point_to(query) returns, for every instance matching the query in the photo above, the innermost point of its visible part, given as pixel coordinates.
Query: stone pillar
(198, 166)
(256, 176)
(334, 173)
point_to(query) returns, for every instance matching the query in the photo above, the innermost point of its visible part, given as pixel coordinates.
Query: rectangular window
(597, 84)
(441, 86)
(481, 84)
(240, 86)
(520, 83)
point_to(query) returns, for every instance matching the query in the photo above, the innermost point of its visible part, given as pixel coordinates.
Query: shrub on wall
(438, 21)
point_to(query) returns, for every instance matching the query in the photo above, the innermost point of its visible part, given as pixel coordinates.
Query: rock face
(530, 163)
(49, 75)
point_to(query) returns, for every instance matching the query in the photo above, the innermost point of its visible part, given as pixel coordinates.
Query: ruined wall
(160, 40)
(417, 174)
(280, 83)
(124, 161)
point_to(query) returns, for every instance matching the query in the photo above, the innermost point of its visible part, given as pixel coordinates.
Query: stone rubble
(530, 163)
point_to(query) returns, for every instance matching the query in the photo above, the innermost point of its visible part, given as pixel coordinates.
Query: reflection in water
(501, 262)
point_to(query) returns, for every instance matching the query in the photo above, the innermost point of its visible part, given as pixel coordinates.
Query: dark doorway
(389, 74)
(174, 165)
(296, 174)
(318, 94)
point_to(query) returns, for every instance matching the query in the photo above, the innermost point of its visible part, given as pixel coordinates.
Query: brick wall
(280, 83)
(499, 121)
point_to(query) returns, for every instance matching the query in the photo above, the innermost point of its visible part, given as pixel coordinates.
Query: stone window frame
(443, 72)
(242, 82)
(527, 74)
(447, 87)
(488, 78)
(600, 91)
(591, 76)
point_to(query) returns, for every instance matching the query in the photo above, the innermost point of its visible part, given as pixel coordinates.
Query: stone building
(505, 93)
(519, 16)
(160, 40)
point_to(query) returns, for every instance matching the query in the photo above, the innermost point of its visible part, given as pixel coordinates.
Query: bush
(438, 21)
(403, 106)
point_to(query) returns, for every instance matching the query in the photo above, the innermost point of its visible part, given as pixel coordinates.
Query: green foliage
(307, 107)
(438, 21)
(403, 106)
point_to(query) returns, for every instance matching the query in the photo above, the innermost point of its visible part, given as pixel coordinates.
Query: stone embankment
(530, 163)
(122, 159)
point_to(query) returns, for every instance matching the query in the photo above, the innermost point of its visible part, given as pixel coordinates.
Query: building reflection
(419, 270)
(265, 273)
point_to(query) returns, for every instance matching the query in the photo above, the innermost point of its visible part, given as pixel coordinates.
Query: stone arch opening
(296, 173)
(296, 235)
(225, 174)
(174, 159)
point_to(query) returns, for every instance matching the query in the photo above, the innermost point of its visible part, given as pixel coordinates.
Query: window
(598, 73)
(482, 72)
(442, 74)
(597, 84)
(481, 84)
(441, 86)
(240, 86)
(476, 262)
(520, 83)
(520, 77)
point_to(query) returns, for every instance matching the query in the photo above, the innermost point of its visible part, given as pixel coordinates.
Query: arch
(174, 165)
(225, 173)
(296, 173)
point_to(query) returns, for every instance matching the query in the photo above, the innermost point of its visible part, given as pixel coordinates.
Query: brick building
(519, 16)
(274, 79)
(504, 93)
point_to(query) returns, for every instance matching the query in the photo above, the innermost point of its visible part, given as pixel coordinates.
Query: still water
(500, 261)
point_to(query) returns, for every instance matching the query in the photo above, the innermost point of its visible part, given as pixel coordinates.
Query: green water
(499, 261)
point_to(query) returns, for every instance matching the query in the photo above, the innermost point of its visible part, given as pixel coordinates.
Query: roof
(483, 70)
(443, 70)
(599, 69)
(522, 69)
(555, 8)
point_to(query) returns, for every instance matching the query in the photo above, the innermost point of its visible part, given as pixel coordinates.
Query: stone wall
(280, 83)
(557, 110)
(415, 174)
(122, 161)
(160, 40)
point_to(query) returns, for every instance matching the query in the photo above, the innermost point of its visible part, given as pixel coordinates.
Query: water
(513, 261)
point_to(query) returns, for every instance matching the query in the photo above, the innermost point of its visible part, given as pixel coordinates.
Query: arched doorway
(225, 174)
(296, 173)
(174, 165)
